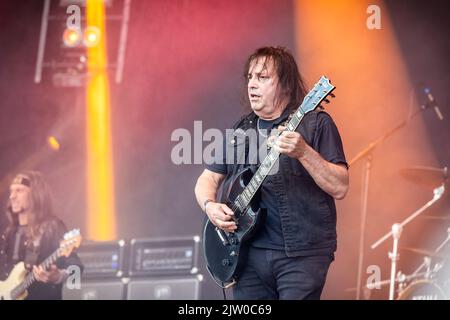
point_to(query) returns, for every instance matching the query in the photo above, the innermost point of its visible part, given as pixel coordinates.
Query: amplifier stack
(145, 268)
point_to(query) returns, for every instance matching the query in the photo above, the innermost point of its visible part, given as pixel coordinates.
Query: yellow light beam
(100, 174)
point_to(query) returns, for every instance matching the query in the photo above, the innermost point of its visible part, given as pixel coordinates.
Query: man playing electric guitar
(289, 255)
(33, 234)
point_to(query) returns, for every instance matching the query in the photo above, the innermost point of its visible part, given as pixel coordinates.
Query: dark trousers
(270, 274)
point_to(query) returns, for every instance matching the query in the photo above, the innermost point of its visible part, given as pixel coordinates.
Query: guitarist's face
(19, 197)
(262, 89)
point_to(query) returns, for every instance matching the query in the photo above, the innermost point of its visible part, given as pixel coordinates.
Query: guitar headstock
(72, 240)
(320, 92)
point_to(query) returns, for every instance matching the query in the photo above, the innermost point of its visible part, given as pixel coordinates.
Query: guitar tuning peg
(332, 95)
(326, 101)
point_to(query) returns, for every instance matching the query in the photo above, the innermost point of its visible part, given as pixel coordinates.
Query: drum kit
(431, 280)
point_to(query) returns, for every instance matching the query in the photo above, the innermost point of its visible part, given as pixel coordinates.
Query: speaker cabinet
(180, 288)
(97, 290)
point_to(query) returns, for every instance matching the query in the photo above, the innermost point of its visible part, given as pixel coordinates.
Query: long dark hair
(291, 84)
(41, 210)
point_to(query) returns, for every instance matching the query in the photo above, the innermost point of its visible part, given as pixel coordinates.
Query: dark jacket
(307, 213)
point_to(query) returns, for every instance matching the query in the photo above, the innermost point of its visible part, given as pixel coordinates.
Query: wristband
(206, 203)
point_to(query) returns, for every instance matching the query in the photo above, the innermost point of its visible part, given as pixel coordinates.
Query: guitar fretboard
(310, 102)
(243, 200)
(30, 278)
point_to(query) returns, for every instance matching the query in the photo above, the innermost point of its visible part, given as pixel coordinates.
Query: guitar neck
(244, 199)
(321, 90)
(30, 278)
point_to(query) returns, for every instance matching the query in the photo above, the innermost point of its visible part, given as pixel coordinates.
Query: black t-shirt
(327, 143)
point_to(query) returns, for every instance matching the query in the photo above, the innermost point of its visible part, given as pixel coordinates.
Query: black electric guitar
(15, 287)
(225, 253)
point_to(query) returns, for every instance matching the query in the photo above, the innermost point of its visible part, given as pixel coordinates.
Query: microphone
(432, 103)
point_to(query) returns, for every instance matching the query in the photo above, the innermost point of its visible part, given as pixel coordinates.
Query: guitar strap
(264, 144)
(246, 122)
(12, 241)
(20, 233)
(242, 125)
(3, 257)
(31, 257)
(32, 253)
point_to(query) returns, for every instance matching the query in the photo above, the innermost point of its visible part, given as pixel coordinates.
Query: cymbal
(426, 252)
(428, 176)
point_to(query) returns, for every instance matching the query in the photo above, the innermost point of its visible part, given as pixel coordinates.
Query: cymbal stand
(439, 248)
(396, 232)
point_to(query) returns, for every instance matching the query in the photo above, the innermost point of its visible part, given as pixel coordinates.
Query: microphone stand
(366, 154)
